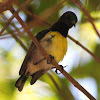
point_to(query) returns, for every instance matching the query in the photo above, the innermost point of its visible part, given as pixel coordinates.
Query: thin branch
(5, 5)
(45, 14)
(14, 31)
(19, 41)
(14, 36)
(38, 19)
(26, 28)
(6, 37)
(87, 14)
(73, 81)
(92, 54)
(53, 80)
(23, 5)
(52, 10)
(47, 56)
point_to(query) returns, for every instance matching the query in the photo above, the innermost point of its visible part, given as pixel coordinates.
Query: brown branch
(52, 10)
(26, 28)
(16, 30)
(19, 41)
(53, 80)
(38, 19)
(92, 54)
(6, 37)
(23, 5)
(44, 53)
(87, 14)
(44, 15)
(5, 5)
(73, 81)
(14, 36)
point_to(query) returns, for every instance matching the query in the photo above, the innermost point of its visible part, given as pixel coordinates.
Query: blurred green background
(79, 64)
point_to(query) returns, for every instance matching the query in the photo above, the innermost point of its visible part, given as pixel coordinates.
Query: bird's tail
(21, 81)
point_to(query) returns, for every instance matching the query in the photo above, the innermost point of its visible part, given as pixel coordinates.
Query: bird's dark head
(64, 23)
(69, 18)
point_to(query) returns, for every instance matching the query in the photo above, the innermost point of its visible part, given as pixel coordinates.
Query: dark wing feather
(36, 76)
(39, 36)
(23, 67)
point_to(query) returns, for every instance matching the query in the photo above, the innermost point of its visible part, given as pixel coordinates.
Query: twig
(14, 36)
(5, 5)
(17, 30)
(26, 28)
(6, 37)
(44, 53)
(38, 19)
(92, 54)
(23, 5)
(73, 81)
(19, 41)
(45, 14)
(87, 14)
(55, 83)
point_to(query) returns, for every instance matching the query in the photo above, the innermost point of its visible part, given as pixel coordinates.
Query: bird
(54, 42)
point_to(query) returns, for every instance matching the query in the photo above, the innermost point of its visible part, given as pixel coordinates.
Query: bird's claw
(61, 68)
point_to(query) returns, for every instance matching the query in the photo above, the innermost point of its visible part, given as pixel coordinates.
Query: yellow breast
(57, 47)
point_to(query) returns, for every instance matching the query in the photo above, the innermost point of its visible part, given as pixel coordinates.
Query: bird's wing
(39, 36)
(36, 76)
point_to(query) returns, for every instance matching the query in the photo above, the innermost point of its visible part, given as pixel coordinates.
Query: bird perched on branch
(54, 42)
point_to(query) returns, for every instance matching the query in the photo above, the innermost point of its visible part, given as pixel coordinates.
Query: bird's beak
(74, 25)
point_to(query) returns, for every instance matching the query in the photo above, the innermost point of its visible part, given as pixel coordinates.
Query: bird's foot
(61, 68)
(49, 61)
